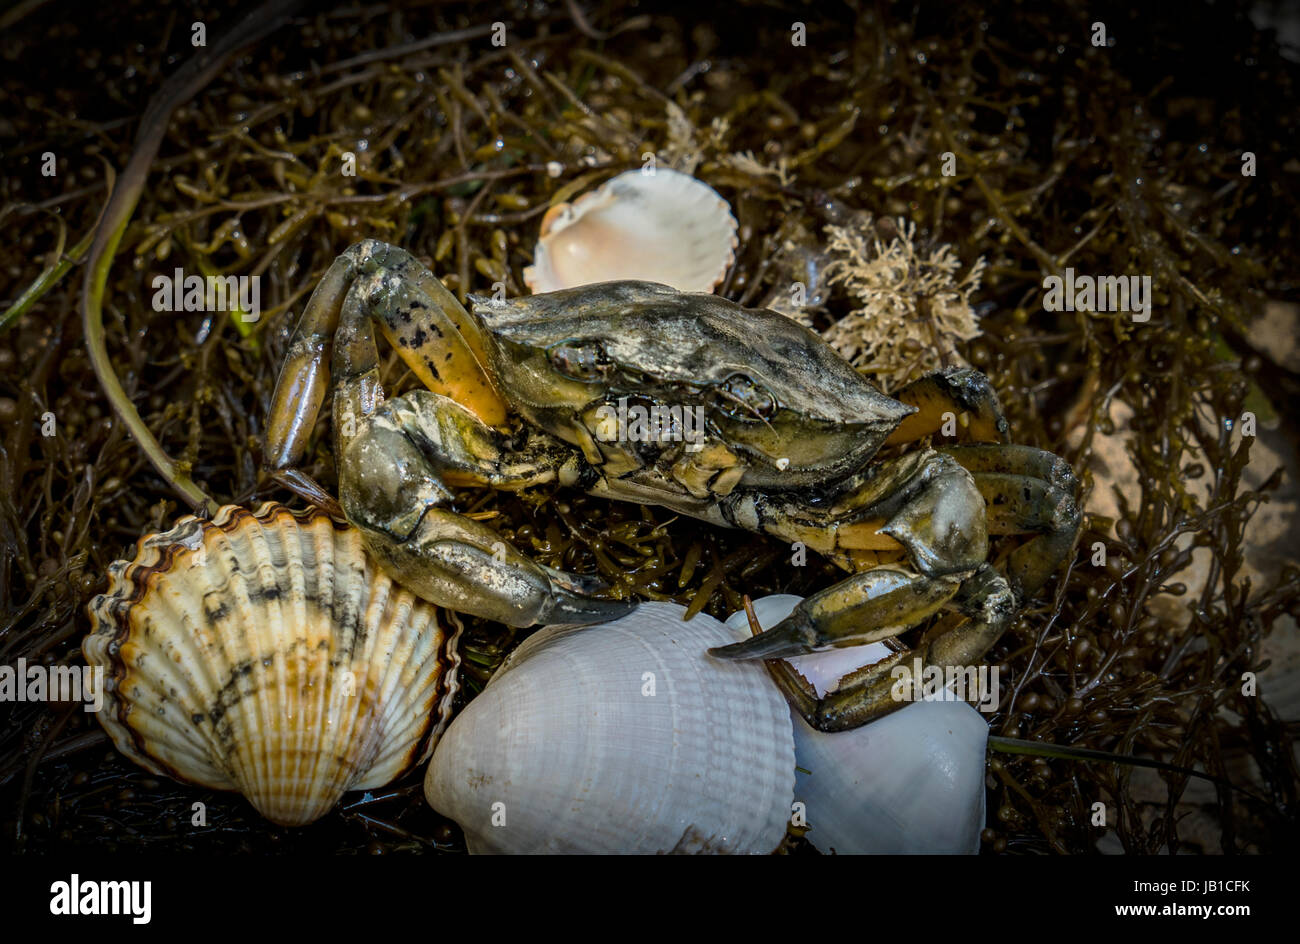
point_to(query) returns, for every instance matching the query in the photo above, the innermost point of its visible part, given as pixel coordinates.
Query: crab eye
(743, 398)
(584, 361)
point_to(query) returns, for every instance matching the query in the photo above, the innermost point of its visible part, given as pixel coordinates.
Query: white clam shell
(565, 750)
(911, 782)
(264, 653)
(663, 227)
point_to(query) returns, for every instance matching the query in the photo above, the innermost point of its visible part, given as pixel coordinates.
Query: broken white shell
(624, 737)
(910, 782)
(663, 226)
(263, 652)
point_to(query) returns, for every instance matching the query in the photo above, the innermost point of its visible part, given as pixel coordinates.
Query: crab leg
(430, 330)
(394, 475)
(930, 506)
(867, 607)
(305, 377)
(869, 693)
(396, 460)
(1027, 490)
(1010, 459)
(923, 502)
(937, 512)
(955, 390)
(428, 327)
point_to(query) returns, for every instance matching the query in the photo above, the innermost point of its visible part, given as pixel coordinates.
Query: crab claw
(866, 607)
(573, 599)
(793, 636)
(462, 565)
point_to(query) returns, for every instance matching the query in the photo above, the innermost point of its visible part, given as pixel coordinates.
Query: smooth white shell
(911, 782)
(570, 752)
(663, 227)
(263, 652)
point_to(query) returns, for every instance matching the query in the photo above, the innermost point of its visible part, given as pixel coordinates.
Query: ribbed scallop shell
(262, 652)
(663, 227)
(567, 752)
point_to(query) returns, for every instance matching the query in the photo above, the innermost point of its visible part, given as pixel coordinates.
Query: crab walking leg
(1016, 460)
(924, 503)
(955, 390)
(394, 490)
(305, 376)
(357, 391)
(1027, 490)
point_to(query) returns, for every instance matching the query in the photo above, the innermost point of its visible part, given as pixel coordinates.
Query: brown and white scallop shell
(264, 652)
(663, 227)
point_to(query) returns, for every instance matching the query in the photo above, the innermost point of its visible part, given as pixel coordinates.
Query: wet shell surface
(910, 782)
(264, 653)
(663, 227)
(623, 737)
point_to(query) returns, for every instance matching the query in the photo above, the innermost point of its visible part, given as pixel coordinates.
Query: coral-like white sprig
(912, 307)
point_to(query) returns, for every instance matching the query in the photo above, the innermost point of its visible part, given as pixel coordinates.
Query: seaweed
(1114, 159)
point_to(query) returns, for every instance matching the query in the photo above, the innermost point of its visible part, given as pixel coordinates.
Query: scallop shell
(623, 737)
(264, 653)
(663, 227)
(910, 782)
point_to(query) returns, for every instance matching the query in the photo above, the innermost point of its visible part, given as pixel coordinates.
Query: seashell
(264, 653)
(663, 227)
(910, 782)
(623, 737)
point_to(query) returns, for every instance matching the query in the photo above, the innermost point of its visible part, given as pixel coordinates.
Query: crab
(522, 392)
